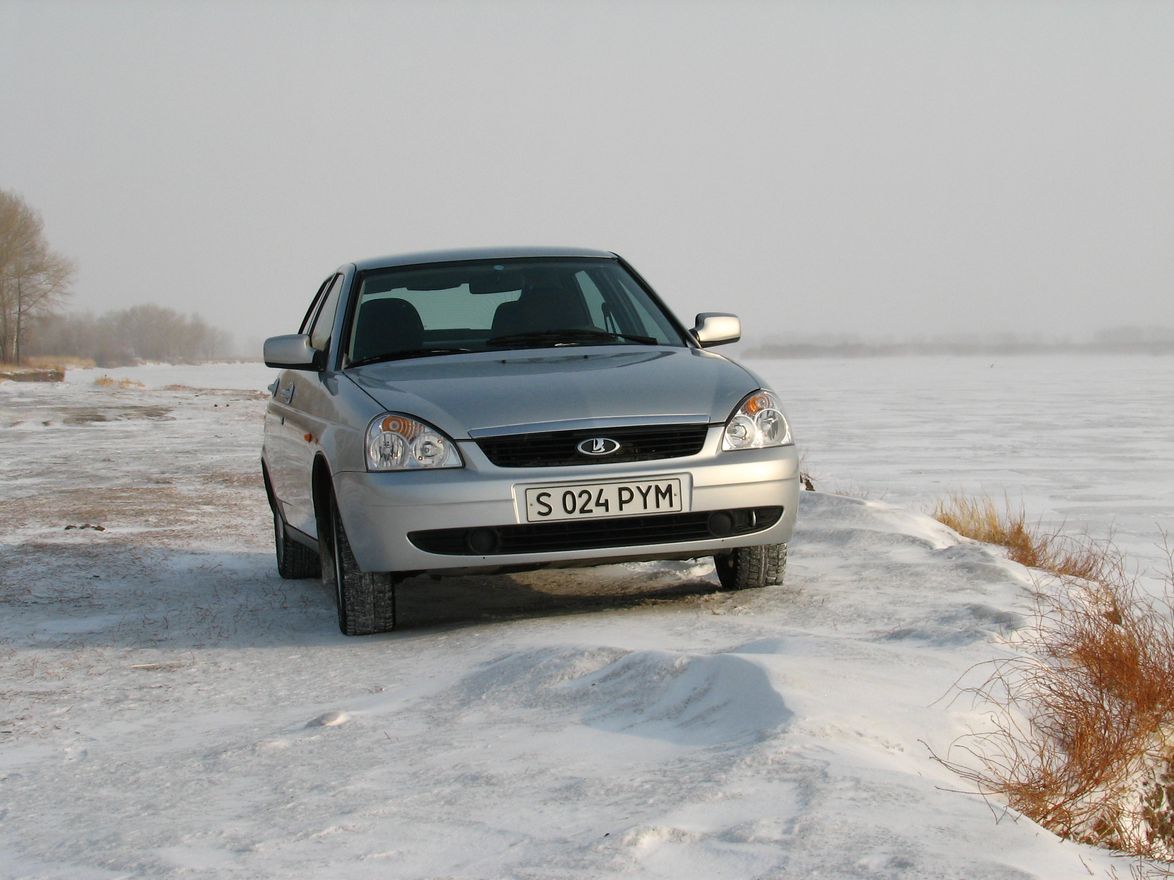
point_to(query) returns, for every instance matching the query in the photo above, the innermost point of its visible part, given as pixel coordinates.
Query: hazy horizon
(867, 169)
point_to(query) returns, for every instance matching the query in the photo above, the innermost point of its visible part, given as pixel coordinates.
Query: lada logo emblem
(598, 446)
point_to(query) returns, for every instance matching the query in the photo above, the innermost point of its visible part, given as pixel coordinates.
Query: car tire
(366, 599)
(294, 561)
(749, 567)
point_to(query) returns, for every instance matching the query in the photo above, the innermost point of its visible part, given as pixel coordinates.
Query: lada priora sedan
(511, 409)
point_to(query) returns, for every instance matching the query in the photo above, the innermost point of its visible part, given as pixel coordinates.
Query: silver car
(510, 409)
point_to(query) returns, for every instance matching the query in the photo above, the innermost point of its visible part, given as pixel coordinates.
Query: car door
(294, 418)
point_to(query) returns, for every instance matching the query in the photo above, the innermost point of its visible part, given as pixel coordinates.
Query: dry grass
(26, 373)
(1082, 735)
(1093, 758)
(109, 382)
(59, 362)
(1053, 552)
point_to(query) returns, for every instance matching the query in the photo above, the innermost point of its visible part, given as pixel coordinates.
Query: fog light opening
(720, 524)
(744, 520)
(482, 541)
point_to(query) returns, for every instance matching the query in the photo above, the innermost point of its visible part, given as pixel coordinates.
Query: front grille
(555, 448)
(628, 531)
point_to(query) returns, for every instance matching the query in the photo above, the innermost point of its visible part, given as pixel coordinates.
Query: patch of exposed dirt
(231, 393)
(235, 479)
(32, 374)
(137, 506)
(88, 415)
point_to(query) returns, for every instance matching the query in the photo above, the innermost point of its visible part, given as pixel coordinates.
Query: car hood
(501, 390)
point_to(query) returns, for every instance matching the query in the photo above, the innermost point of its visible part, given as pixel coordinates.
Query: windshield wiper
(401, 355)
(569, 336)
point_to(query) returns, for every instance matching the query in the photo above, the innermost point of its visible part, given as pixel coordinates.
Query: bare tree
(144, 332)
(33, 279)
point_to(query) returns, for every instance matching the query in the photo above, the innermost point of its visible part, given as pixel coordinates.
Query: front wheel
(747, 567)
(366, 599)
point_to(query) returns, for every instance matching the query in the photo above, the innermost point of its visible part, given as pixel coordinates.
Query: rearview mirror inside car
(495, 281)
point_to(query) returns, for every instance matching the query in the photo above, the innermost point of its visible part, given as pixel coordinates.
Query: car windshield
(504, 304)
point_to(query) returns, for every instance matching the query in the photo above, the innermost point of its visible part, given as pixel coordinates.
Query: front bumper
(381, 510)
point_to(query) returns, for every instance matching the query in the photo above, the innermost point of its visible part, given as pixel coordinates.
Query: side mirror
(292, 352)
(717, 328)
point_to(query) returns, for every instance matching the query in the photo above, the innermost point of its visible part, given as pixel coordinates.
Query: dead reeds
(1082, 719)
(105, 381)
(1053, 552)
(59, 362)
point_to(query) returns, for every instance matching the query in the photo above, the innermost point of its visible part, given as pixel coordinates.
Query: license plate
(599, 500)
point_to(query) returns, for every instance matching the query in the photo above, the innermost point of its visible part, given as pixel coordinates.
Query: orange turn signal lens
(757, 403)
(398, 425)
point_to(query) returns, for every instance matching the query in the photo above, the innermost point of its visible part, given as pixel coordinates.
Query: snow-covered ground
(1086, 443)
(169, 707)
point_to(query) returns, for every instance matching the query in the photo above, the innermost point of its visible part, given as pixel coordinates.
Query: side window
(655, 323)
(649, 326)
(315, 303)
(627, 309)
(324, 322)
(597, 308)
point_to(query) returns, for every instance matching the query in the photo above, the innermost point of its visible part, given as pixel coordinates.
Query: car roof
(489, 253)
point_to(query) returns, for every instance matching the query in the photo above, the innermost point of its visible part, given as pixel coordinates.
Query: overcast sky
(872, 168)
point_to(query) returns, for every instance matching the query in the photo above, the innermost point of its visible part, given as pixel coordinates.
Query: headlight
(398, 443)
(757, 423)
